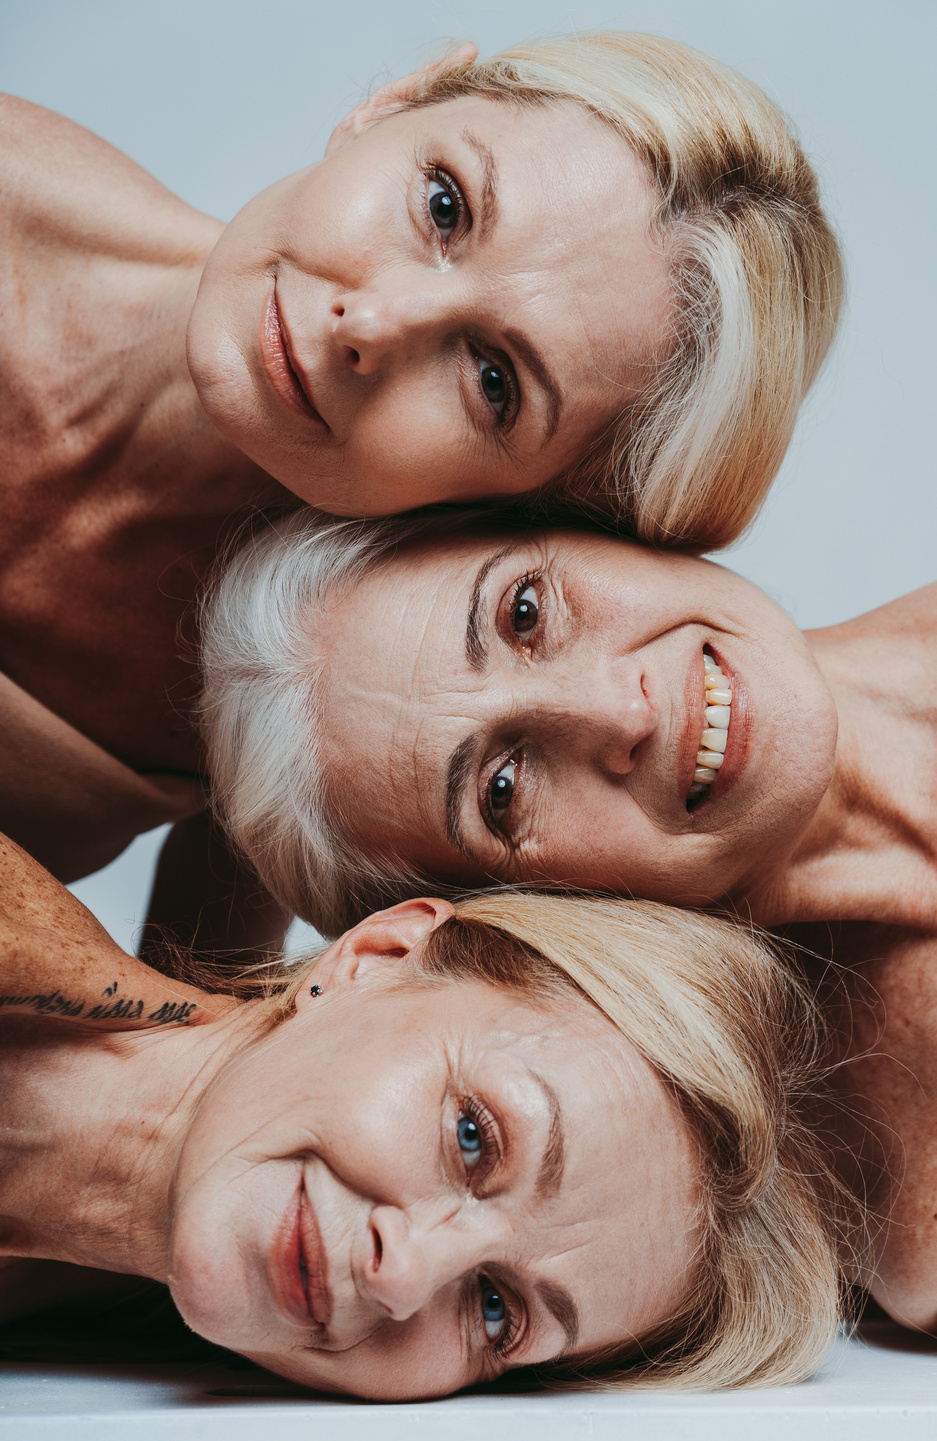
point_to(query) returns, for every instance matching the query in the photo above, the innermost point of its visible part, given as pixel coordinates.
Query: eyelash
(454, 191)
(530, 578)
(477, 1113)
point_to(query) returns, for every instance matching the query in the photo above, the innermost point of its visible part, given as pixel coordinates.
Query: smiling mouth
(280, 364)
(717, 715)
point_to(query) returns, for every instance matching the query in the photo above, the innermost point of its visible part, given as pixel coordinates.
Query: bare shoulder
(59, 182)
(912, 617)
(892, 1070)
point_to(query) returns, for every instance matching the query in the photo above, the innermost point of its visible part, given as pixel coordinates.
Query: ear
(374, 948)
(395, 92)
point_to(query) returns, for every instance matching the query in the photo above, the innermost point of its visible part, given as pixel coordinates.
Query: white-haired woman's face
(403, 1190)
(532, 709)
(452, 305)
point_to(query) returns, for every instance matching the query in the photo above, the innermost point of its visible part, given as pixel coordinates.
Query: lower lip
(276, 360)
(299, 1238)
(739, 734)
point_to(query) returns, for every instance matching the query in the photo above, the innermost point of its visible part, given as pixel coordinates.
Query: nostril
(355, 357)
(378, 1248)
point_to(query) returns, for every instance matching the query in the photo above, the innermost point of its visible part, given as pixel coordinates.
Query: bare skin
(143, 413)
(588, 705)
(212, 1156)
(84, 1188)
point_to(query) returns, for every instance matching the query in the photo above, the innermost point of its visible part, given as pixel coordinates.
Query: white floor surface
(883, 1387)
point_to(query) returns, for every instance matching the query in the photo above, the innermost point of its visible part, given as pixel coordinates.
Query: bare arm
(205, 899)
(57, 961)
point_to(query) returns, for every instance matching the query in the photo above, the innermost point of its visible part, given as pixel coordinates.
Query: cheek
(411, 1361)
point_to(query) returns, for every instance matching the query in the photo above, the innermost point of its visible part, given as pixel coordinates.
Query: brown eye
(502, 787)
(525, 613)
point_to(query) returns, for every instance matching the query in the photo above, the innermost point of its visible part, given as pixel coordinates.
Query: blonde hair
(756, 277)
(734, 1035)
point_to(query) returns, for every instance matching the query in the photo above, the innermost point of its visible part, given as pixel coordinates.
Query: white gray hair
(260, 709)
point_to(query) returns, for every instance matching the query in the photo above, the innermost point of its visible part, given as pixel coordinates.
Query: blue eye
(470, 1140)
(494, 1310)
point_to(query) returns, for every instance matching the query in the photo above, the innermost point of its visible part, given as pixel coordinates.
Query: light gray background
(219, 97)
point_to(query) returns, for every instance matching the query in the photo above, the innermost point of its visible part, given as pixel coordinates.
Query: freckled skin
(178, 1153)
(831, 832)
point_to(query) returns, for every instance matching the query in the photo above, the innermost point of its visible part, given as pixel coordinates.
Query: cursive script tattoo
(113, 1008)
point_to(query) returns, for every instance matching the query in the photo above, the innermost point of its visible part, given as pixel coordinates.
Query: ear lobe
(394, 93)
(374, 948)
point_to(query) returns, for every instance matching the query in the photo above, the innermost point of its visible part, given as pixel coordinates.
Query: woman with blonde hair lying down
(592, 270)
(554, 1133)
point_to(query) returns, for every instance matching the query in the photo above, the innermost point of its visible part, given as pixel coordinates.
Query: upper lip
(299, 374)
(693, 728)
(301, 1265)
(318, 1295)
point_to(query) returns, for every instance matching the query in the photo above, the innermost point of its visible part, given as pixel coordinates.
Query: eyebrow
(490, 215)
(536, 364)
(554, 1154)
(556, 1298)
(476, 649)
(490, 209)
(561, 1305)
(460, 767)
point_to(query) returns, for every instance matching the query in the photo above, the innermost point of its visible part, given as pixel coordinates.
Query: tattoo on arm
(113, 1008)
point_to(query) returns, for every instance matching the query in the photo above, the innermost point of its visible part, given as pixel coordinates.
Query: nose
(388, 319)
(414, 1259)
(603, 710)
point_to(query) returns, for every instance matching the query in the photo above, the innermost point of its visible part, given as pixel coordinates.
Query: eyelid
(483, 353)
(532, 578)
(492, 1139)
(463, 213)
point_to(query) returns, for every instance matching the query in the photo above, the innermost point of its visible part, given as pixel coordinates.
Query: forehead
(396, 677)
(575, 241)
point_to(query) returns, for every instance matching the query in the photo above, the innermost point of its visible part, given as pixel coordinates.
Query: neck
(869, 851)
(170, 454)
(92, 1128)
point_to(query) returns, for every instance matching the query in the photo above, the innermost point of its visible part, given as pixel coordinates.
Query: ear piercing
(315, 990)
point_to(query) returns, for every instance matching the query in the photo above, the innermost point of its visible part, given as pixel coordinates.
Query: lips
(285, 375)
(735, 722)
(301, 1269)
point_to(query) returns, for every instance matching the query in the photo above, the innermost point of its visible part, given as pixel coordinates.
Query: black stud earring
(315, 990)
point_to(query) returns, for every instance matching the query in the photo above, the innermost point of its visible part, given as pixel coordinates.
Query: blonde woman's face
(403, 1191)
(532, 709)
(451, 306)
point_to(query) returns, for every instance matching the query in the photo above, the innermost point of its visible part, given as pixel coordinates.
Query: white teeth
(717, 713)
(712, 759)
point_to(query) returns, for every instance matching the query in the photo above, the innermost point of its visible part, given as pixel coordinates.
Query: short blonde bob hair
(733, 1033)
(756, 277)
